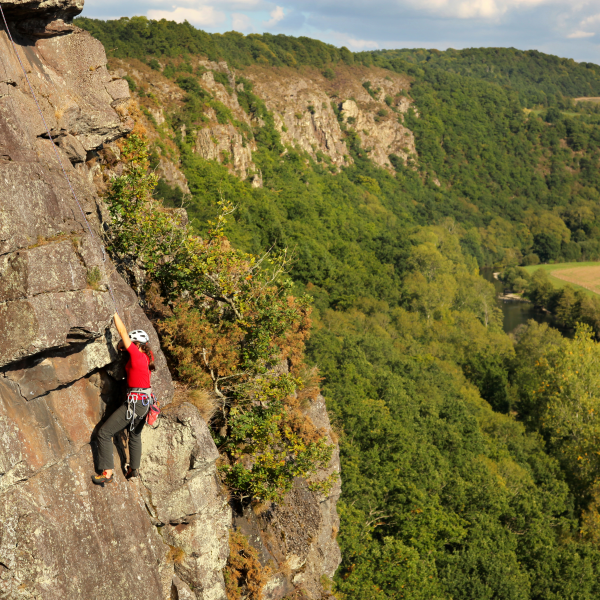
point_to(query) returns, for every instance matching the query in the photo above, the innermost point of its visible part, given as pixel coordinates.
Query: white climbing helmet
(139, 335)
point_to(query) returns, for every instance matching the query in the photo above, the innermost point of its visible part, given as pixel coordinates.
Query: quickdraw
(132, 399)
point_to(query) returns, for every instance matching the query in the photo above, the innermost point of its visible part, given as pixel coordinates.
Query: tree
(546, 246)
(540, 289)
(569, 397)
(567, 307)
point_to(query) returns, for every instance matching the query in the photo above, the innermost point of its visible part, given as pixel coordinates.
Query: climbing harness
(133, 397)
(89, 228)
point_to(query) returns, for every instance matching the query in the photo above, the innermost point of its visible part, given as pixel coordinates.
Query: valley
(394, 180)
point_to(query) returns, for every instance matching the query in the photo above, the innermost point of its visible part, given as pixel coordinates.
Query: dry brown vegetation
(586, 277)
(244, 575)
(204, 400)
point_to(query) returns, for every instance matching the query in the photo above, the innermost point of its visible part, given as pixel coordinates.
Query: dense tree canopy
(537, 76)
(139, 37)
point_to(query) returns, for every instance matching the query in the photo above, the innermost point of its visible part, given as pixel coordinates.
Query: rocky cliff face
(305, 104)
(310, 112)
(165, 534)
(216, 138)
(60, 374)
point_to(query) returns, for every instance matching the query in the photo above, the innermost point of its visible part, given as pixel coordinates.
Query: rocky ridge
(164, 535)
(305, 104)
(310, 111)
(217, 139)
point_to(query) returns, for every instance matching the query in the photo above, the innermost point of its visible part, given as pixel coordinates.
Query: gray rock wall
(60, 374)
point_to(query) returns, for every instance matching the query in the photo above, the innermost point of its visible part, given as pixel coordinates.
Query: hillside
(538, 78)
(139, 37)
(521, 183)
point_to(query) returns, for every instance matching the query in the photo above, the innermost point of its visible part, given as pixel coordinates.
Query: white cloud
(576, 35)
(276, 15)
(224, 5)
(591, 21)
(205, 16)
(362, 44)
(485, 9)
(478, 9)
(354, 44)
(241, 22)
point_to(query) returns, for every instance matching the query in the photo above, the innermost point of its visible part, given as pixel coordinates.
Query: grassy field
(587, 99)
(580, 275)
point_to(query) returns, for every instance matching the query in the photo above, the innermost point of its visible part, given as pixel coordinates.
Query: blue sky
(568, 28)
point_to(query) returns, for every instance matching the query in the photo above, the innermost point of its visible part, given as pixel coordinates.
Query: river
(518, 313)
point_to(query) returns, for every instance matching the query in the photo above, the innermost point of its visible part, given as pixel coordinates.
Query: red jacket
(138, 368)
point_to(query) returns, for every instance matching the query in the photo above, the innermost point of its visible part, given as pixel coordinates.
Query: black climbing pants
(117, 422)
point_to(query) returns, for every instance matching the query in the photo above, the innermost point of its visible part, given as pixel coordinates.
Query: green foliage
(139, 37)
(171, 196)
(442, 496)
(131, 83)
(538, 77)
(266, 454)
(230, 330)
(328, 73)
(373, 93)
(569, 305)
(565, 400)
(458, 480)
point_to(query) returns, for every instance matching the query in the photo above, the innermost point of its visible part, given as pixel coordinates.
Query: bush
(231, 322)
(328, 73)
(531, 259)
(131, 83)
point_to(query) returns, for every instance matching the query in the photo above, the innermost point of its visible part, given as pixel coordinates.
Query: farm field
(582, 275)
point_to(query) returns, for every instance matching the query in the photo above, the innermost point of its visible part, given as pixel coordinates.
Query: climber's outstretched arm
(122, 331)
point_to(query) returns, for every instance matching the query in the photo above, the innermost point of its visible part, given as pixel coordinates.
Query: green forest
(469, 458)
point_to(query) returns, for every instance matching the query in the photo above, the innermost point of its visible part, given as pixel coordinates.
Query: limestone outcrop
(306, 105)
(303, 115)
(310, 111)
(213, 139)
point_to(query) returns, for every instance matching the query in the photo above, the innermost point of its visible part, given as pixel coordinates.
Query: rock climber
(134, 410)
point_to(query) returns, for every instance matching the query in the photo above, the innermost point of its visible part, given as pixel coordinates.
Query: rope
(89, 228)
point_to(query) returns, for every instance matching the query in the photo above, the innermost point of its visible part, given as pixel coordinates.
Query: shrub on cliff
(232, 322)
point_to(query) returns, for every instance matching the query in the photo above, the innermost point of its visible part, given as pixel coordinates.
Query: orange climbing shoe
(102, 479)
(132, 473)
